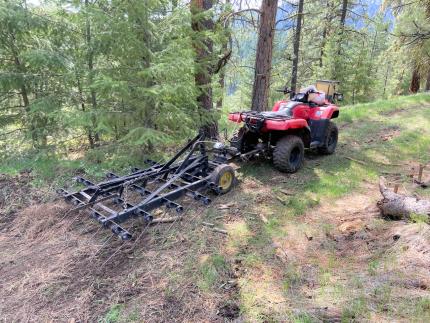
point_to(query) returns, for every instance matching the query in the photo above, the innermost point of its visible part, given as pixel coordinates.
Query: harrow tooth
(170, 205)
(206, 201)
(119, 231)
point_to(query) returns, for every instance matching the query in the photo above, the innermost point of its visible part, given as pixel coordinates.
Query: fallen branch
(219, 230)
(356, 160)
(207, 224)
(167, 220)
(399, 206)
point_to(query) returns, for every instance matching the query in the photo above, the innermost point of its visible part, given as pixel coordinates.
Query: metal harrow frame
(175, 178)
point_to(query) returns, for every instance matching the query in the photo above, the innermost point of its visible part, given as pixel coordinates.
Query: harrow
(190, 172)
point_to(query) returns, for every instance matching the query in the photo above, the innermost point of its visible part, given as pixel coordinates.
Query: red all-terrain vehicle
(304, 121)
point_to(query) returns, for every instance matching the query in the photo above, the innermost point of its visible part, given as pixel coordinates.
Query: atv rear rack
(107, 202)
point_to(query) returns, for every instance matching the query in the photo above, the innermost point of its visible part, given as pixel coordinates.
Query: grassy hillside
(303, 247)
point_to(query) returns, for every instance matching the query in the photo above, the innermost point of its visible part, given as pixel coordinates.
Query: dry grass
(319, 253)
(56, 268)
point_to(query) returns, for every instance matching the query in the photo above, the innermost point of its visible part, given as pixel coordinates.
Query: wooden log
(399, 206)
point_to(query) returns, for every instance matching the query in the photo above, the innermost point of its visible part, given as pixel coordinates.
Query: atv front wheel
(330, 140)
(288, 154)
(223, 176)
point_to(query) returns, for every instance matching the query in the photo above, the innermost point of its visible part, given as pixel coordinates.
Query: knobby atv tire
(288, 154)
(330, 140)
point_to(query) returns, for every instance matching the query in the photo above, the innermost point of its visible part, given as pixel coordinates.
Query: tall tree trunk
(82, 100)
(327, 22)
(427, 88)
(221, 79)
(221, 85)
(386, 79)
(343, 14)
(263, 60)
(296, 46)
(415, 81)
(24, 96)
(90, 63)
(324, 35)
(203, 49)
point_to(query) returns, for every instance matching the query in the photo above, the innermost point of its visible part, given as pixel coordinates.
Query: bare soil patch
(347, 241)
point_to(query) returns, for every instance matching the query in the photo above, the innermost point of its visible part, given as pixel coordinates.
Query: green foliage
(108, 72)
(210, 271)
(419, 218)
(113, 315)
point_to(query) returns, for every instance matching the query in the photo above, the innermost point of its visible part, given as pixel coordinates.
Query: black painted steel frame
(175, 179)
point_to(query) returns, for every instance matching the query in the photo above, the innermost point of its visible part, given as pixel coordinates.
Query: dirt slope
(307, 247)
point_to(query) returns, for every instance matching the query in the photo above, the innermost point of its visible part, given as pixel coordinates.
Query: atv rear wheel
(330, 140)
(224, 177)
(288, 154)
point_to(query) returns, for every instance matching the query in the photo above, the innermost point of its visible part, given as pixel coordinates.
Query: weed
(354, 310)
(372, 267)
(423, 307)
(113, 314)
(302, 318)
(292, 277)
(419, 218)
(210, 272)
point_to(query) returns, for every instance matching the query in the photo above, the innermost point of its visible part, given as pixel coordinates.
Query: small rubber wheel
(288, 154)
(223, 176)
(330, 140)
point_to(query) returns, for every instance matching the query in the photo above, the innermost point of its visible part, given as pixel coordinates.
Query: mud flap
(318, 131)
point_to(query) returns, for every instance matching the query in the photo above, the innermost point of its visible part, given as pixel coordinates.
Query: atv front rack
(107, 201)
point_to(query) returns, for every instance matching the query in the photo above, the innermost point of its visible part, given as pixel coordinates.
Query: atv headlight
(219, 145)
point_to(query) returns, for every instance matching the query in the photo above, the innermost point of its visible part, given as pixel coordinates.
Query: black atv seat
(285, 111)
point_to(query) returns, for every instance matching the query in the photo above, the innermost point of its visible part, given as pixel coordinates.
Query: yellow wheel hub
(226, 180)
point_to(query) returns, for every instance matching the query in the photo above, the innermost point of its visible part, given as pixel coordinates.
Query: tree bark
(203, 60)
(296, 47)
(415, 81)
(341, 32)
(399, 206)
(221, 80)
(24, 95)
(90, 64)
(82, 100)
(263, 60)
(427, 88)
(343, 14)
(324, 35)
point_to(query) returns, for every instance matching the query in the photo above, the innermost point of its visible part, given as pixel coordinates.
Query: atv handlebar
(284, 90)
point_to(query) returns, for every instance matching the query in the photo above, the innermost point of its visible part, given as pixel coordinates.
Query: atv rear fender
(272, 124)
(304, 133)
(326, 112)
(235, 117)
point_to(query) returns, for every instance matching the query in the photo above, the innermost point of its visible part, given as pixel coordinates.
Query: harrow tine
(144, 192)
(118, 200)
(116, 228)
